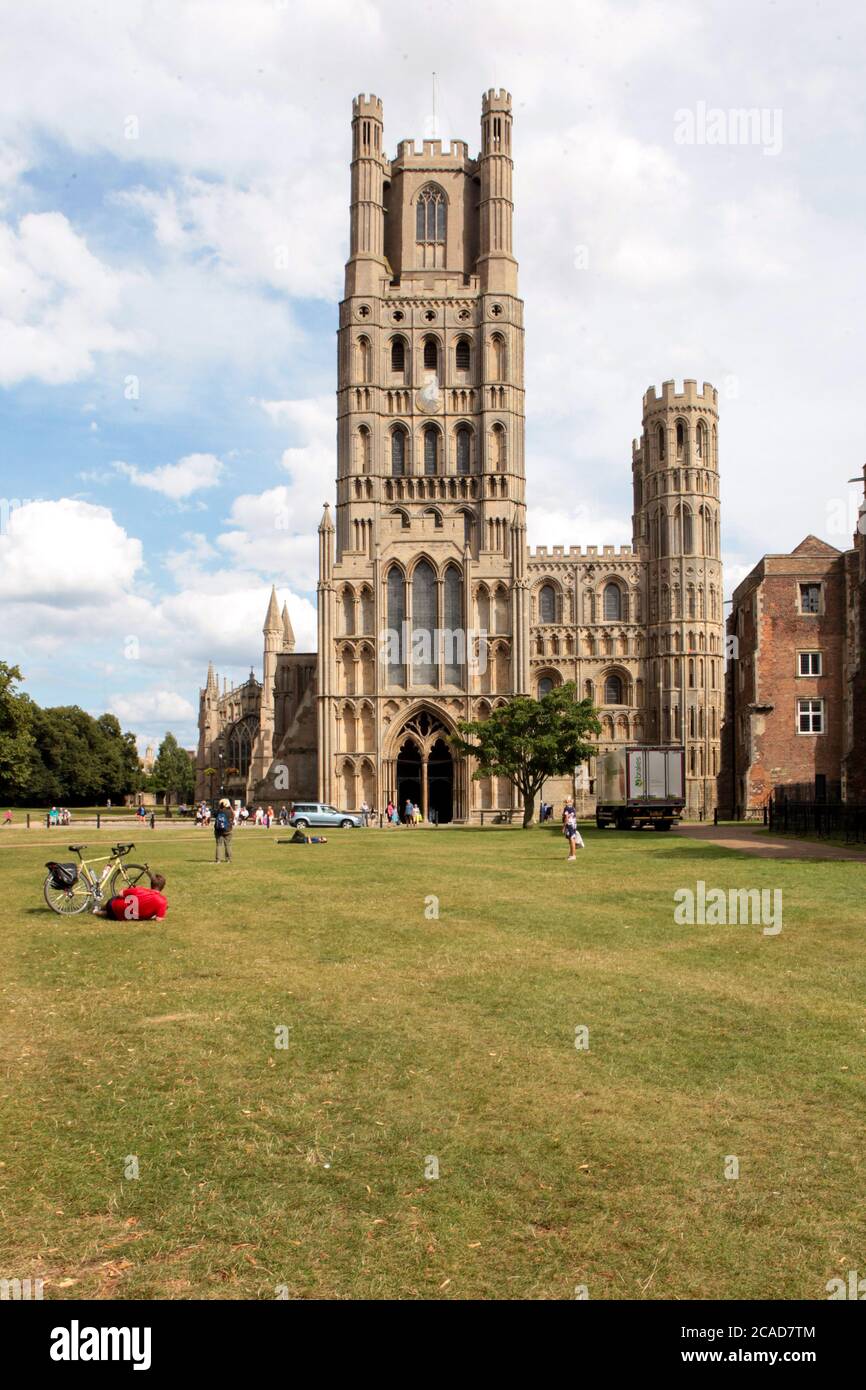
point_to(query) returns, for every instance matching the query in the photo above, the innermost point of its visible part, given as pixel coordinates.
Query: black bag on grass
(62, 875)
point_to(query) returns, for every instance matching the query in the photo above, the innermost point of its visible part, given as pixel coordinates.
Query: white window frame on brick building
(810, 611)
(809, 664)
(810, 716)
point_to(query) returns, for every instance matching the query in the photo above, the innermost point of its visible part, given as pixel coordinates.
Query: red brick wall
(767, 750)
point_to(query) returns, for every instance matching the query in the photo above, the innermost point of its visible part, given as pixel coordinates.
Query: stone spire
(273, 622)
(212, 682)
(288, 633)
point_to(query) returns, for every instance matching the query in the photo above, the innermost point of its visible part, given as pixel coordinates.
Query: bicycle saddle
(76, 848)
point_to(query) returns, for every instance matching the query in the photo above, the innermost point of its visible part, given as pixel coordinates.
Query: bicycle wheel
(67, 901)
(128, 876)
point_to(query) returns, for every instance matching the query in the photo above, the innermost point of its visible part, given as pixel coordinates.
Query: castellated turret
(675, 471)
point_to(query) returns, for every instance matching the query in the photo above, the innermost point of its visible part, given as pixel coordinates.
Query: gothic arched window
(454, 636)
(431, 355)
(398, 453)
(497, 448)
(688, 531)
(396, 617)
(613, 690)
(545, 685)
(398, 355)
(547, 604)
(423, 623)
(701, 440)
(463, 449)
(463, 355)
(430, 214)
(431, 449)
(612, 603)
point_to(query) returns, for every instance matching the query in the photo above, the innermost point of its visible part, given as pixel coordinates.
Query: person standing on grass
(7, 818)
(222, 830)
(569, 829)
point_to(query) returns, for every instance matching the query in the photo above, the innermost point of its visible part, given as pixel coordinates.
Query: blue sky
(173, 218)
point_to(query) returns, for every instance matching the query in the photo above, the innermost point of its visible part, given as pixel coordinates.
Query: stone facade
(429, 531)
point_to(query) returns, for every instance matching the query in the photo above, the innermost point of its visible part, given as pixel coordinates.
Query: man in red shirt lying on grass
(138, 904)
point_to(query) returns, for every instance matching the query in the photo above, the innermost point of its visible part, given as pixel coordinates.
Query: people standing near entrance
(418, 817)
(365, 812)
(222, 830)
(409, 813)
(395, 816)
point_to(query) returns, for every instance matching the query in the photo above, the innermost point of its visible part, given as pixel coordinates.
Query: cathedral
(431, 606)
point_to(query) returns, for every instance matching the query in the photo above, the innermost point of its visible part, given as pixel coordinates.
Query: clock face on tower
(429, 398)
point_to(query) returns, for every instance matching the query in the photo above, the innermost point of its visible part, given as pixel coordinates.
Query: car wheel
(301, 824)
(347, 825)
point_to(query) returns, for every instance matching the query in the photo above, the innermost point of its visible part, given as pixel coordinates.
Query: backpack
(222, 824)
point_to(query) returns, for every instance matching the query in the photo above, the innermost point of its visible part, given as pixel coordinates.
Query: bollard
(715, 815)
(48, 821)
(28, 820)
(98, 821)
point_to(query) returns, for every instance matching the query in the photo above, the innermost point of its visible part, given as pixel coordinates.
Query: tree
(16, 739)
(173, 771)
(528, 740)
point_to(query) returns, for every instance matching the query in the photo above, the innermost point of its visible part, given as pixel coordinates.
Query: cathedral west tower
(429, 534)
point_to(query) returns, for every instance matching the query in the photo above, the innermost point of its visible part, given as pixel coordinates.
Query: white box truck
(637, 786)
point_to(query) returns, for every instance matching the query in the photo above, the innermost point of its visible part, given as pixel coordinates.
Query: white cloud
(153, 707)
(75, 609)
(59, 305)
(193, 473)
(64, 553)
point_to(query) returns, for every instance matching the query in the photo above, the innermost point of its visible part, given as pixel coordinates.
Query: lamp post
(221, 773)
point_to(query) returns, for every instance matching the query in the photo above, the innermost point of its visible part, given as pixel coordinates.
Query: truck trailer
(640, 785)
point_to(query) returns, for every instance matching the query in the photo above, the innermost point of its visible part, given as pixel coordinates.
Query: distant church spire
(288, 633)
(212, 683)
(273, 622)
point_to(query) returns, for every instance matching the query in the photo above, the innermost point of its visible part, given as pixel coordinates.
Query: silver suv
(308, 813)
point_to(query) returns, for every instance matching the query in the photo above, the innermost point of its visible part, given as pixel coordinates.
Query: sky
(174, 187)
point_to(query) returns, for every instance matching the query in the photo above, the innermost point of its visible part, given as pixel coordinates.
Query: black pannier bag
(62, 875)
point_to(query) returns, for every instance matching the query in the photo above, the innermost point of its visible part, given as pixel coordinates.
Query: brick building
(786, 692)
(854, 760)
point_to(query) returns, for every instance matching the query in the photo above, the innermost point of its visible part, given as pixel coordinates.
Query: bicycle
(71, 888)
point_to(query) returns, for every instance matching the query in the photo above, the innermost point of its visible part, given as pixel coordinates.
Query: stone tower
(676, 532)
(429, 541)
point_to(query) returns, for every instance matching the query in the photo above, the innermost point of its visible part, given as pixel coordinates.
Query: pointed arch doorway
(422, 768)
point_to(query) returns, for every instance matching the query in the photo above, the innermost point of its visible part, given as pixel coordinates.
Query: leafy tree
(60, 755)
(528, 740)
(16, 739)
(173, 772)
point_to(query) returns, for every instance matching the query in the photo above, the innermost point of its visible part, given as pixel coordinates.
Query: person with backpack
(223, 826)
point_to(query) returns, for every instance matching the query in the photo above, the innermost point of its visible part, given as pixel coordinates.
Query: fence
(827, 793)
(828, 820)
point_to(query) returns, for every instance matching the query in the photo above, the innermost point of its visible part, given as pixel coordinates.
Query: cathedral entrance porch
(423, 769)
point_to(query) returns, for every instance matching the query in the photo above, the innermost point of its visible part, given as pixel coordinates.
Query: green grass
(411, 1037)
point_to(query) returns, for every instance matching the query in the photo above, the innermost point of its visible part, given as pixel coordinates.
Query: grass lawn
(412, 1039)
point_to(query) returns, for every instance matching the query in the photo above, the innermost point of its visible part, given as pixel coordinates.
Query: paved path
(768, 846)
